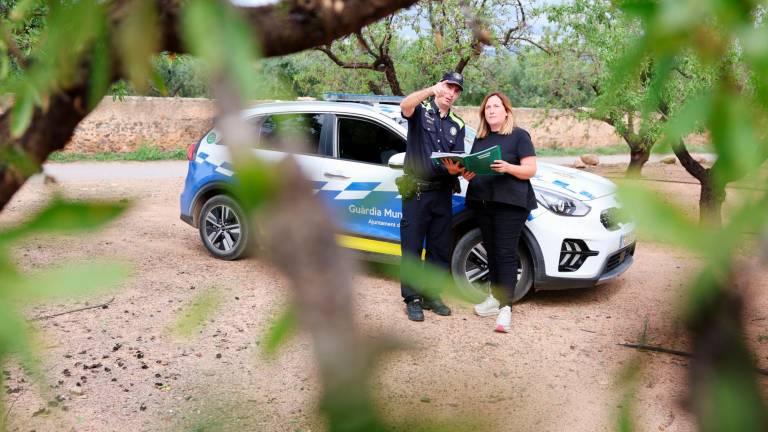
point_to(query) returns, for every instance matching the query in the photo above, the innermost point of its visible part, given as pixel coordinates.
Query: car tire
(470, 271)
(223, 228)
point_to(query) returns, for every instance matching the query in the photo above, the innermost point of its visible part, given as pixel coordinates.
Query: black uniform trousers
(426, 217)
(501, 226)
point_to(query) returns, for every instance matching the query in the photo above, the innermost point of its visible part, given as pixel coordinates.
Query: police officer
(432, 127)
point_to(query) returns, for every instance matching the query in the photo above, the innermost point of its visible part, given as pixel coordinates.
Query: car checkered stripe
(221, 165)
(346, 190)
(563, 185)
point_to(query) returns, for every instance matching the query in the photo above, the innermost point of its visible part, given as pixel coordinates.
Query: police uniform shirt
(428, 133)
(506, 189)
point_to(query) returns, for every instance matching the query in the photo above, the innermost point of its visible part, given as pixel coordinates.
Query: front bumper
(614, 266)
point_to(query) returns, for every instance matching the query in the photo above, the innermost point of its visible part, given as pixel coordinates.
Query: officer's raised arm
(409, 104)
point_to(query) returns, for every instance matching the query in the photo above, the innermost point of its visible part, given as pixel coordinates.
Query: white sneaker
(489, 307)
(504, 320)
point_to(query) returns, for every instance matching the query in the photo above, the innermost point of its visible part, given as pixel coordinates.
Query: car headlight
(561, 204)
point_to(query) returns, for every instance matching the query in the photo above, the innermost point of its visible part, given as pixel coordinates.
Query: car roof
(320, 106)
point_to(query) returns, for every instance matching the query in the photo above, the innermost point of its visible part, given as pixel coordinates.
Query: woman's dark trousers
(501, 226)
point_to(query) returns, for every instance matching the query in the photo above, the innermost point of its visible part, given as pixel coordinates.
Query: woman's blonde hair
(509, 123)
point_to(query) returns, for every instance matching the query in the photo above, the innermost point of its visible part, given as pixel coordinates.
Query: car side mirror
(397, 161)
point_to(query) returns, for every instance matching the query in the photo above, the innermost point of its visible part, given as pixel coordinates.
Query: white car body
(365, 203)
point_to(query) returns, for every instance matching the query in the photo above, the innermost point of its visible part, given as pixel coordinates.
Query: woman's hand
(468, 175)
(501, 166)
(453, 168)
(524, 171)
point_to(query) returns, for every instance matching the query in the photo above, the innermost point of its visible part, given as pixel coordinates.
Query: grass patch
(145, 152)
(609, 150)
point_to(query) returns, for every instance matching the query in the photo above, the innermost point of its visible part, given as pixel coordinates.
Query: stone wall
(121, 126)
(174, 123)
(554, 128)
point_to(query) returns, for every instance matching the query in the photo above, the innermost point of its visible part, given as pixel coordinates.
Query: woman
(502, 202)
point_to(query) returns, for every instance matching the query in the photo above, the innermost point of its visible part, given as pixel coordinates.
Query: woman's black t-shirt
(505, 189)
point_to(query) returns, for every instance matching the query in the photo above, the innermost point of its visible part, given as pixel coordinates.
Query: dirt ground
(121, 368)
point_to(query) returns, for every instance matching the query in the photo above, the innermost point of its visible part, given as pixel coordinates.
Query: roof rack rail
(362, 98)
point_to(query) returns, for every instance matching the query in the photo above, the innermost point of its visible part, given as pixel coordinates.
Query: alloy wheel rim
(222, 228)
(476, 267)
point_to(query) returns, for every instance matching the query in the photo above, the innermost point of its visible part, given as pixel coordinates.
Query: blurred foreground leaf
(139, 40)
(280, 330)
(662, 220)
(208, 27)
(63, 281)
(63, 216)
(431, 281)
(200, 309)
(67, 281)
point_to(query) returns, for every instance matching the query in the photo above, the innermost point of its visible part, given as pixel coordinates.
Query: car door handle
(335, 175)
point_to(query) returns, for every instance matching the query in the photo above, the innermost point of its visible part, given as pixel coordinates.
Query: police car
(575, 238)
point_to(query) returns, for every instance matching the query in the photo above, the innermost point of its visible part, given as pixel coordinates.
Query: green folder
(479, 163)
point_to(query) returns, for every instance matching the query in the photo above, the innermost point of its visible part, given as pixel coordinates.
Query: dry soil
(121, 368)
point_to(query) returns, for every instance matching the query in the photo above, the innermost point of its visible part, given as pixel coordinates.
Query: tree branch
(283, 28)
(346, 65)
(291, 25)
(364, 43)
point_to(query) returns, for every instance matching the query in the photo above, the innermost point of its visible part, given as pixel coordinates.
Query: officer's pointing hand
(439, 89)
(453, 168)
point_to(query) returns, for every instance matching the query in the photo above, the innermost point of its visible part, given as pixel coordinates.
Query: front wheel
(469, 265)
(223, 228)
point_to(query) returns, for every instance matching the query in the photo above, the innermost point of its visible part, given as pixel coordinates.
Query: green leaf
(691, 115)
(645, 9)
(653, 95)
(22, 111)
(736, 135)
(14, 333)
(65, 216)
(732, 401)
(138, 41)
(432, 281)
(72, 279)
(197, 313)
(258, 181)
(209, 25)
(22, 9)
(101, 68)
(159, 83)
(279, 332)
(5, 67)
(661, 220)
(70, 29)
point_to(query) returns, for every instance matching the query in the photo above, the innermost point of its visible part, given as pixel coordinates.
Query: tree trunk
(638, 156)
(50, 131)
(375, 88)
(391, 74)
(711, 200)
(712, 196)
(716, 327)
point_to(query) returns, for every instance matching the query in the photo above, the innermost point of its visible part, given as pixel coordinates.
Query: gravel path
(121, 368)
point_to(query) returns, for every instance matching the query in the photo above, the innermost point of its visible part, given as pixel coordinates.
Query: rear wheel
(223, 228)
(469, 265)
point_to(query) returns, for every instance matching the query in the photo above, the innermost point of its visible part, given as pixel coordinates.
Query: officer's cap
(454, 78)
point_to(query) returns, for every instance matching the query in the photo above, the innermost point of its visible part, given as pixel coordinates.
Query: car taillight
(191, 151)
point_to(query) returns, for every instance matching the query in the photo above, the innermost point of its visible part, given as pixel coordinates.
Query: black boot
(437, 306)
(413, 309)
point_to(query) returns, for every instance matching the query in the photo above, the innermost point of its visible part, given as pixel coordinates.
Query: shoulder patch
(457, 119)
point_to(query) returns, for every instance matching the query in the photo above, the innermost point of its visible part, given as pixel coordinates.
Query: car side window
(291, 132)
(365, 141)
